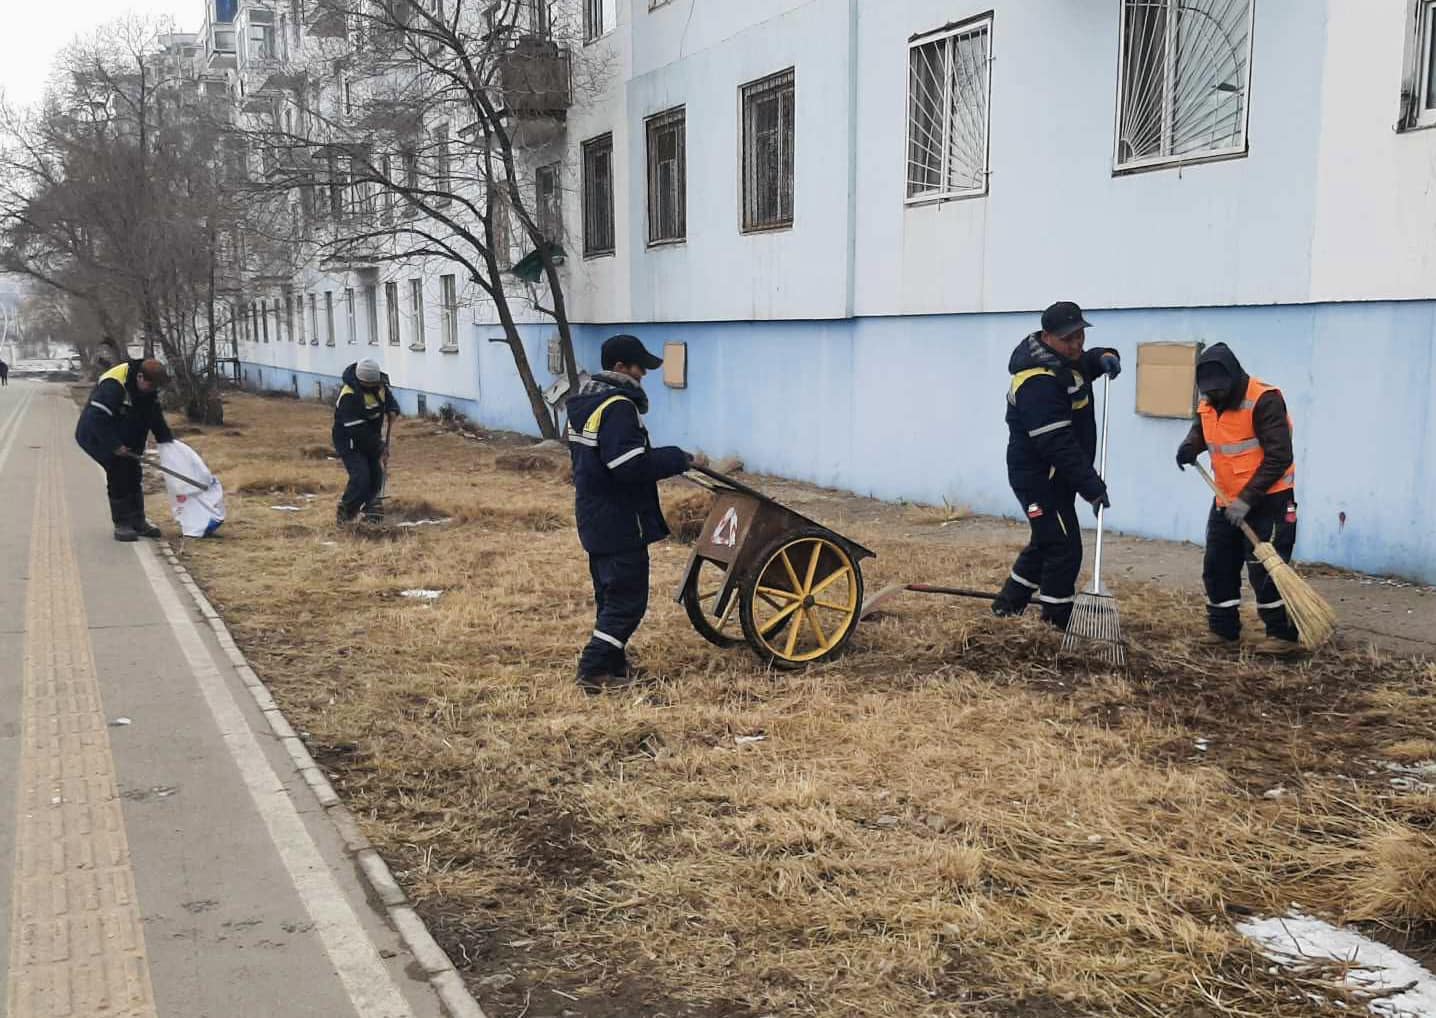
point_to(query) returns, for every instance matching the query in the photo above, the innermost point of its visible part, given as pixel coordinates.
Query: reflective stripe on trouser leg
(1061, 562)
(1226, 551)
(620, 589)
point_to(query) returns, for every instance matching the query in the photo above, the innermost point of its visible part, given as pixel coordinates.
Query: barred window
(949, 83)
(598, 195)
(594, 22)
(768, 113)
(1185, 74)
(667, 177)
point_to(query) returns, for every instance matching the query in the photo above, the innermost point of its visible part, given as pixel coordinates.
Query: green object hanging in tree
(530, 267)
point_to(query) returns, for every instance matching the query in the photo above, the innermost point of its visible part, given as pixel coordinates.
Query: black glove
(1112, 365)
(1186, 456)
(1100, 502)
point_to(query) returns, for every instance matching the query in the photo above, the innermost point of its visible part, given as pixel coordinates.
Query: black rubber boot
(138, 523)
(124, 525)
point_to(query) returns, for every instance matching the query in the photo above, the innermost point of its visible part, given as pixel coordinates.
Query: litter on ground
(424, 523)
(419, 594)
(1394, 985)
(287, 508)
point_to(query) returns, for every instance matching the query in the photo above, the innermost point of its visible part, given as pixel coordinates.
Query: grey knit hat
(367, 371)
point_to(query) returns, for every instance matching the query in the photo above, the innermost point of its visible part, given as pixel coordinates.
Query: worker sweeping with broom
(1244, 424)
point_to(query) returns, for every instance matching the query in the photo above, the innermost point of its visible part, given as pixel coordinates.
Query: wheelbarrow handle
(928, 588)
(724, 480)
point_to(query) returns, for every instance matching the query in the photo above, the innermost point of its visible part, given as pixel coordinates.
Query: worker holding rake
(1243, 423)
(1051, 447)
(365, 403)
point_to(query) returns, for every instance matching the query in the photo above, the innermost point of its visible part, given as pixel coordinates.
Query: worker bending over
(1244, 424)
(365, 401)
(122, 412)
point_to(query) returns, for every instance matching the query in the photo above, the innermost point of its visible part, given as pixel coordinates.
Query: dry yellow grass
(944, 822)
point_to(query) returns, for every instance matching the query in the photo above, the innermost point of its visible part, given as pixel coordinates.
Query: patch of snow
(420, 594)
(287, 508)
(425, 523)
(1406, 989)
(120, 722)
(744, 740)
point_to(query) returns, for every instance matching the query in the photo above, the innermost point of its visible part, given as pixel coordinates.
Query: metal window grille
(548, 202)
(371, 309)
(949, 84)
(329, 317)
(1185, 74)
(598, 196)
(667, 177)
(416, 306)
(391, 311)
(449, 311)
(768, 112)
(593, 25)
(1426, 90)
(350, 321)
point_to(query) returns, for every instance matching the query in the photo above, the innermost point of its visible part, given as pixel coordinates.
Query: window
(350, 321)
(262, 42)
(289, 316)
(667, 177)
(313, 320)
(1418, 94)
(443, 159)
(411, 178)
(768, 152)
(386, 201)
(336, 186)
(391, 311)
(1184, 75)
(949, 81)
(594, 23)
(598, 195)
(449, 312)
(416, 307)
(329, 317)
(371, 313)
(503, 232)
(264, 318)
(548, 202)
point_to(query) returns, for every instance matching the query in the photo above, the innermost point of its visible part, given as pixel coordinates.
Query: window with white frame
(329, 317)
(313, 319)
(768, 129)
(949, 83)
(416, 309)
(598, 195)
(351, 322)
(264, 318)
(443, 160)
(549, 202)
(1418, 92)
(262, 41)
(595, 20)
(371, 315)
(391, 311)
(449, 312)
(667, 177)
(1185, 75)
(289, 315)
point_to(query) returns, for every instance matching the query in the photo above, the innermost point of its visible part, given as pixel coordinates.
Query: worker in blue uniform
(115, 423)
(616, 471)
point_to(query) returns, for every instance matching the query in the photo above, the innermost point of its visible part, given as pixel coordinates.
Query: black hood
(1220, 354)
(1033, 353)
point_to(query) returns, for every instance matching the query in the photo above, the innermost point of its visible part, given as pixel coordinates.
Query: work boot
(1275, 646)
(121, 515)
(604, 683)
(145, 528)
(126, 532)
(1216, 641)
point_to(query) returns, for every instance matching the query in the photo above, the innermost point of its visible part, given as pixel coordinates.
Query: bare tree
(416, 131)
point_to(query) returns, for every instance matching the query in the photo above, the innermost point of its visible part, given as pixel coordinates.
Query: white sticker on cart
(726, 532)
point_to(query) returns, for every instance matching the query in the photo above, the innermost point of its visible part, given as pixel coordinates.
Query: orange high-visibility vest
(1232, 442)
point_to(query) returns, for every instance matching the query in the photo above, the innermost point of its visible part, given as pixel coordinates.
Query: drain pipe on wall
(852, 298)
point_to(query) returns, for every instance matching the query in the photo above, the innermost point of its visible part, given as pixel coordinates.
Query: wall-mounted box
(1167, 379)
(675, 365)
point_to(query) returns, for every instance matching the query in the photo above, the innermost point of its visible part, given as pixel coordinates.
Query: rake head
(1096, 627)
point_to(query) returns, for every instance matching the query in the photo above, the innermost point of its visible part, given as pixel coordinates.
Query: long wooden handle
(1222, 501)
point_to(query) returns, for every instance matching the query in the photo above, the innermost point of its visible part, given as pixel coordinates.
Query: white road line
(365, 977)
(11, 427)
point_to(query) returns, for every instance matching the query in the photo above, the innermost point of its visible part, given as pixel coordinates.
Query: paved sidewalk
(165, 858)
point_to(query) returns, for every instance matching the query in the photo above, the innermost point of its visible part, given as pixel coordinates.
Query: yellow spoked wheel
(716, 622)
(801, 603)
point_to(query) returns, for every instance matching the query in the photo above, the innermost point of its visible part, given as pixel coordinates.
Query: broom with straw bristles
(1314, 620)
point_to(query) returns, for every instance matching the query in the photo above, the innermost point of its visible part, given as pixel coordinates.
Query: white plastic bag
(199, 512)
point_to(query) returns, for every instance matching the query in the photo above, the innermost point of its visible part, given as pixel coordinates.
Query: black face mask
(1216, 397)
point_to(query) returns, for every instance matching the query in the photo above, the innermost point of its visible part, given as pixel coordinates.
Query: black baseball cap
(626, 349)
(1063, 318)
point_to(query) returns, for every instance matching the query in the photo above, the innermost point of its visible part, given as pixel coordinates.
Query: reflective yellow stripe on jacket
(589, 435)
(1023, 377)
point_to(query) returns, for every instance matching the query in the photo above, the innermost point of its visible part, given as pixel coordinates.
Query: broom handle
(1097, 558)
(1245, 527)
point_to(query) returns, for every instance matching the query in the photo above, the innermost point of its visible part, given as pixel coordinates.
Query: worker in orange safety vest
(1243, 423)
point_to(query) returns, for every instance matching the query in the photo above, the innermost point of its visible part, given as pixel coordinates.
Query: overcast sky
(33, 31)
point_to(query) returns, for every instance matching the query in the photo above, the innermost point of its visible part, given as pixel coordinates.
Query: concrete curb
(445, 980)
